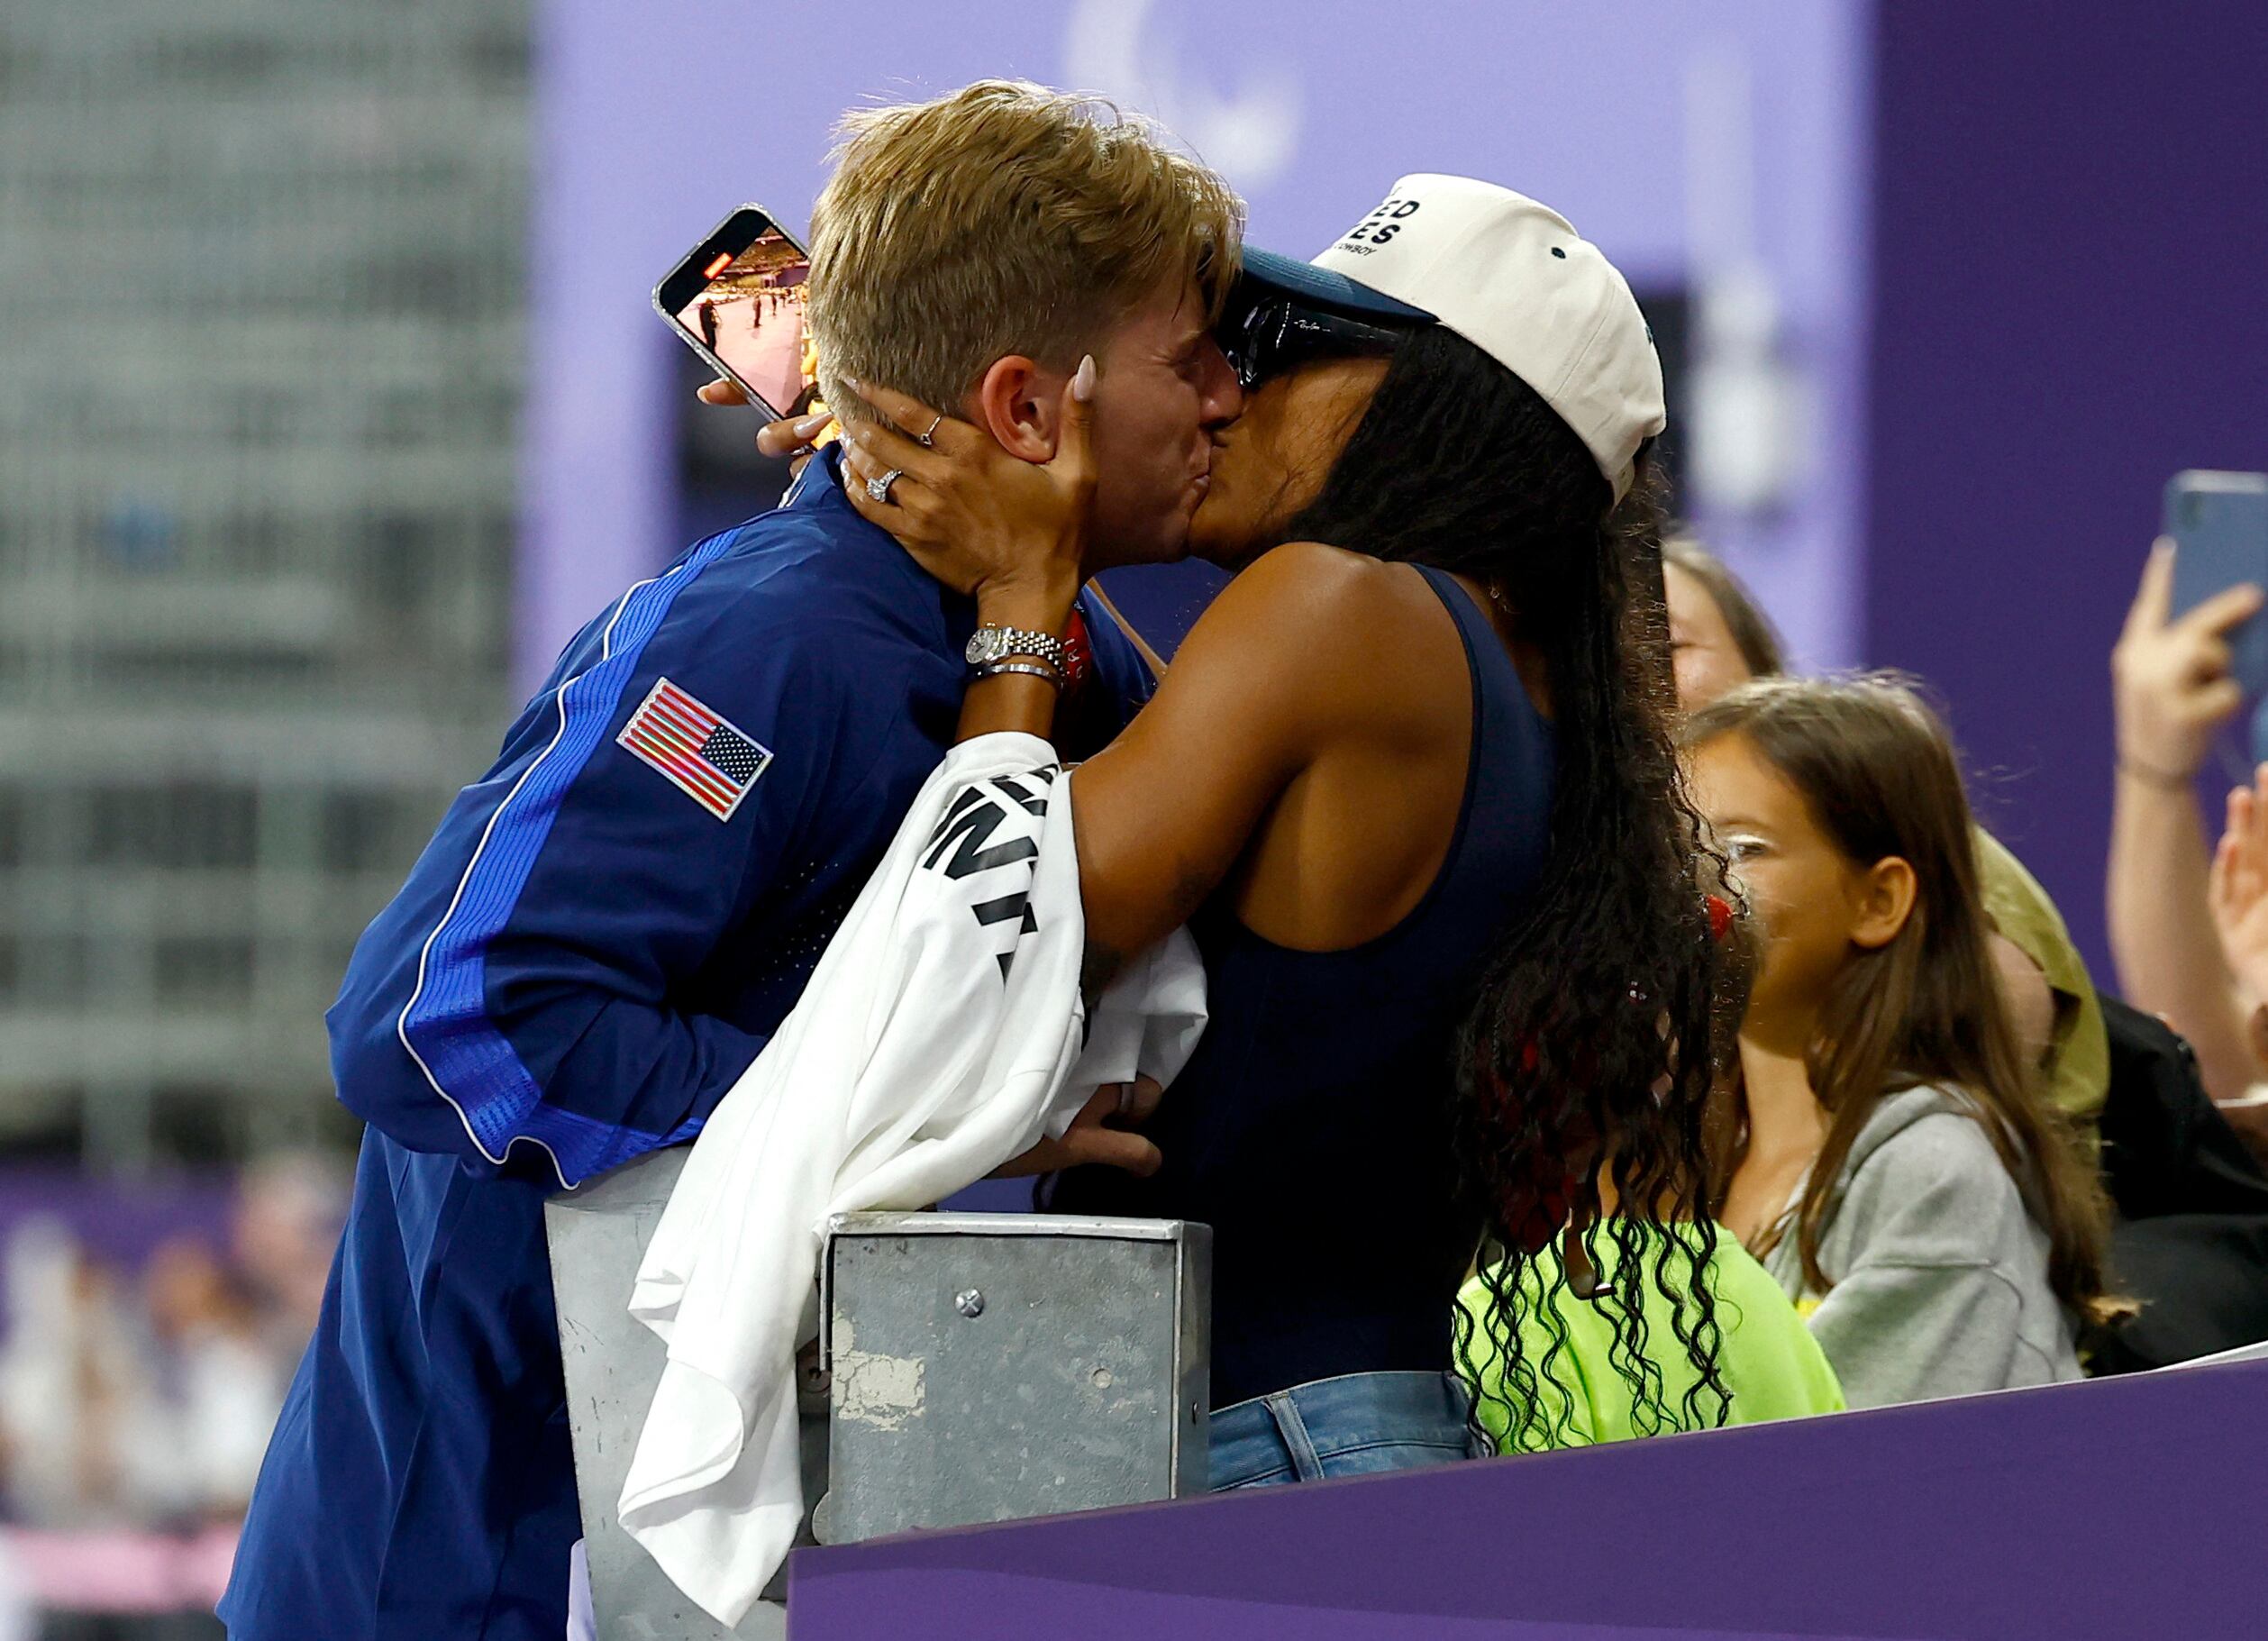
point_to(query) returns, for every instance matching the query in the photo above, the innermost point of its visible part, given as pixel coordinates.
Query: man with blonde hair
(918, 280)
(612, 919)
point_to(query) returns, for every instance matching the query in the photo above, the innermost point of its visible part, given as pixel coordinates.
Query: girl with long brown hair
(1897, 1169)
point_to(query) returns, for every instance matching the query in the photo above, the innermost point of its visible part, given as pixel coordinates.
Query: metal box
(1079, 1381)
(988, 1366)
(597, 1235)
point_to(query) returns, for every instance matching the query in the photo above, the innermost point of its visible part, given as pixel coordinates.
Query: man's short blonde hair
(1005, 218)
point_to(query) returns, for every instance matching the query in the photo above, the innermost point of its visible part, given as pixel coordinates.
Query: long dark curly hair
(1612, 1005)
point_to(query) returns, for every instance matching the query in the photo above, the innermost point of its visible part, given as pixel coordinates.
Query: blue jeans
(1356, 1425)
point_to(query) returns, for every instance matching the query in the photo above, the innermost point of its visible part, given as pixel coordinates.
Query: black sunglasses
(1276, 334)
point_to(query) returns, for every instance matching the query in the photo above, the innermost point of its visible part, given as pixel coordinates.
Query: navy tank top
(1311, 1129)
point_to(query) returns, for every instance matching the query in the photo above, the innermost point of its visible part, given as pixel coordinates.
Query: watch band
(992, 644)
(1029, 668)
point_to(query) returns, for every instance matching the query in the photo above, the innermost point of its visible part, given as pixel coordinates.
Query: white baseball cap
(1514, 279)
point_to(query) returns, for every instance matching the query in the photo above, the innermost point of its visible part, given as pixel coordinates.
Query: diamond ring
(879, 489)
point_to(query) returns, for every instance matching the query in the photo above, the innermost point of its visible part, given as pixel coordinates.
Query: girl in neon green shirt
(1580, 1395)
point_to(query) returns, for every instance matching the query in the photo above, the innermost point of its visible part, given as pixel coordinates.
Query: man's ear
(1017, 402)
(1884, 901)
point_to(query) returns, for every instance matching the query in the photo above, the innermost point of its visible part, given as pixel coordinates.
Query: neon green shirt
(1769, 1361)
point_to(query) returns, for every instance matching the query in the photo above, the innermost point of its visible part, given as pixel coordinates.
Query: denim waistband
(1406, 1391)
(1349, 1425)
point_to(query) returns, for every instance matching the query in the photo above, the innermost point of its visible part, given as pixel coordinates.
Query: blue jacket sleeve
(528, 985)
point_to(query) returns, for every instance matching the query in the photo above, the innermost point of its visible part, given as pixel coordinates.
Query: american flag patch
(706, 758)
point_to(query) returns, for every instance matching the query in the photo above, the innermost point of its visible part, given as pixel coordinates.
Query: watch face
(984, 645)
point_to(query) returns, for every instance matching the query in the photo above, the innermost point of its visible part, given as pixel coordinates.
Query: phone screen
(737, 299)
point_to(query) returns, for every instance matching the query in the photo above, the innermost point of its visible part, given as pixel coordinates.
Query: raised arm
(2172, 694)
(1259, 692)
(2240, 914)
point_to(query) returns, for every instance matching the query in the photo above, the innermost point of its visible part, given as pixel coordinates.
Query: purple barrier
(2118, 1508)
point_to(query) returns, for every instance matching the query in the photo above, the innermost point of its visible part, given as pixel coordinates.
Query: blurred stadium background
(262, 280)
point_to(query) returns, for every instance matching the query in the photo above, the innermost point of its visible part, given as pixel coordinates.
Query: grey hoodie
(1939, 1273)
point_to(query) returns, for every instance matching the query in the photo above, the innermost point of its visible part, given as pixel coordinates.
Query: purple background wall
(647, 133)
(2071, 304)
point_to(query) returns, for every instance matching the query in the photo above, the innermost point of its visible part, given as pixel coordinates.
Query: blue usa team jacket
(595, 945)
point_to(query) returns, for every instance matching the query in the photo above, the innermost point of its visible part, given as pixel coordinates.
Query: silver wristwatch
(988, 644)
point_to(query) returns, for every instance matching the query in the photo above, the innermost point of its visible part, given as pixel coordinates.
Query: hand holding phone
(2174, 671)
(736, 299)
(2218, 524)
(788, 438)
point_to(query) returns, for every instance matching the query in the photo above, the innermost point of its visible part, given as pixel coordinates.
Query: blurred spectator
(192, 1440)
(2172, 694)
(1720, 638)
(142, 1396)
(65, 1375)
(18, 1622)
(2193, 1241)
(289, 1207)
(1900, 1172)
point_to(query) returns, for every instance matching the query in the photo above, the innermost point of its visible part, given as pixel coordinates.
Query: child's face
(1703, 655)
(1812, 903)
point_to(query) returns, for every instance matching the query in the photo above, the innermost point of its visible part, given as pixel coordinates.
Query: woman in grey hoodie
(1897, 1167)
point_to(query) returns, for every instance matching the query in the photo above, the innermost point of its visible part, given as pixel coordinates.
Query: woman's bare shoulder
(1316, 590)
(1336, 639)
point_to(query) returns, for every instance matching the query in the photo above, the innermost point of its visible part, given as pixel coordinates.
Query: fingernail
(1083, 380)
(853, 383)
(809, 425)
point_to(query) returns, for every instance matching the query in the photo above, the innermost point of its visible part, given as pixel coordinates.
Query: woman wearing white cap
(1408, 783)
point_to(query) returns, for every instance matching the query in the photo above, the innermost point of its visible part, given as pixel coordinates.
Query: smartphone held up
(737, 299)
(2218, 523)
